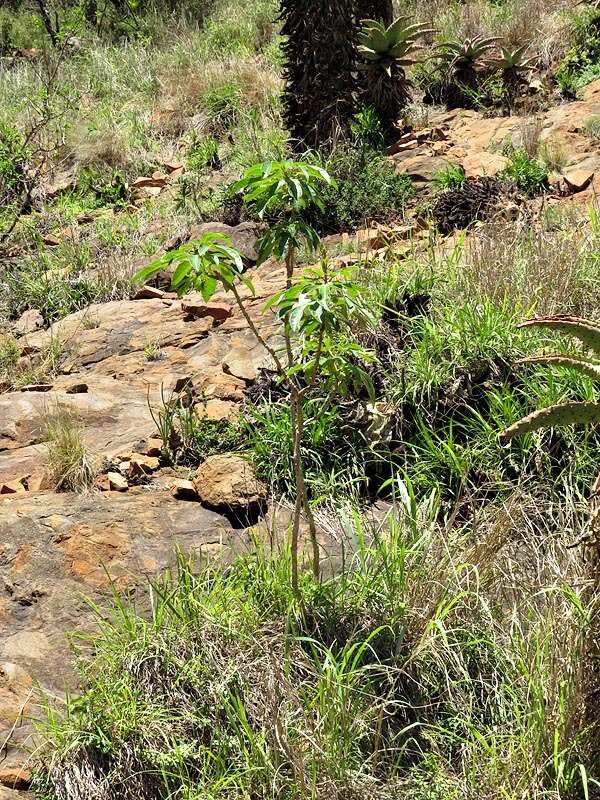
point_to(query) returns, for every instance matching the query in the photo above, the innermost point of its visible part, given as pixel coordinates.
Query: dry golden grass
(70, 466)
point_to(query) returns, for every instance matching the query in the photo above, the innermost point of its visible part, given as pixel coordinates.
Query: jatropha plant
(314, 307)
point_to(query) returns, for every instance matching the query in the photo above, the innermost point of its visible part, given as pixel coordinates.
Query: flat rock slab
(56, 551)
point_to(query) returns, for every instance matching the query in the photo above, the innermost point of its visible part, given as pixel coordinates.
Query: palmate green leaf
(554, 416)
(143, 275)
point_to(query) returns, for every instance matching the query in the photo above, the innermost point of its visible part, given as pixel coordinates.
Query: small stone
(102, 483)
(230, 481)
(15, 777)
(238, 362)
(51, 240)
(480, 164)
(173, 166)
(12, 487)
(215, 409)
(30, 321)
(198, 308)
(578, 179)
(148, 293)
(154, 448)
(183, 490)
(116, 482)
(140, 465)
(77, 388)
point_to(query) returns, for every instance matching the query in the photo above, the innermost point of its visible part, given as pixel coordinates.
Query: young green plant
(312, 309)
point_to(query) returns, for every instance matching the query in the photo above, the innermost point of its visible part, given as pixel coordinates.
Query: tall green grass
(441, 661)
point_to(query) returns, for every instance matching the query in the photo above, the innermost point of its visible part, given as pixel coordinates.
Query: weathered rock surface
(56, 550)
(228, 481)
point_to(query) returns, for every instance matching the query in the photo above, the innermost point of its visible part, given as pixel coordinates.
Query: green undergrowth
(425, 669)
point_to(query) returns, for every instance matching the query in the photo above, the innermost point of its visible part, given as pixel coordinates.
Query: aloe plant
(571, 413)
(513, 64)
(386, 51)
(461, 61)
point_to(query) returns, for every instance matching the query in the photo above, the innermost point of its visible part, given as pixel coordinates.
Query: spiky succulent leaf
(583, 365)
(586, 331)
(514, 59)
(553, 416)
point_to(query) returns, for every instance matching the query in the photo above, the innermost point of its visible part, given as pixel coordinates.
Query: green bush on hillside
(369, 189)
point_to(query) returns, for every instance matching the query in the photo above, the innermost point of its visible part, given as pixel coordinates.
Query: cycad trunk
(375, 9)
(318, 100)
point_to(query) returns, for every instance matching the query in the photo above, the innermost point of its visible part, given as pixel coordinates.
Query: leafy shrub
(581, 65)
(529, 174)
(366, 129)
(103, 186)
(203, 152)
(450, 177)
(13, 162)
(368, 190)
(333, 450)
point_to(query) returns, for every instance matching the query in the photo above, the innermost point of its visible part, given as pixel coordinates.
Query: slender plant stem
(255, 330)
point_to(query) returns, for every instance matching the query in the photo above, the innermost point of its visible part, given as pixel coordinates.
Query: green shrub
(529, 174)
(581, 65)
(369, 189)
(450, 177)
(334, 451)
(13, 162)
(103, 185)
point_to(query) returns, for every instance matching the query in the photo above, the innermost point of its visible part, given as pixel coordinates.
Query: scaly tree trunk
(375, 9)
(318, 100)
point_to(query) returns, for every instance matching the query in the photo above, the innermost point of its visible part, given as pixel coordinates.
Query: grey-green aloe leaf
(563, 414)
(584, 365)
(583, 329)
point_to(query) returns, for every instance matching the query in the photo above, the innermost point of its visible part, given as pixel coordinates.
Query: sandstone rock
(223, 387)
(483, 163)
(228, 481)
(77, 388)
(16, 777)
(578, 179)
(116, 482)
(183, 490)
(371, 239)
(140, 465)
(195, 306)
(149, 293)
(238, 362)
(122, 327)
(154, 447)
(215, 409)
(37, 387)
(12, 487)
(243, 236)
(29, 321)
